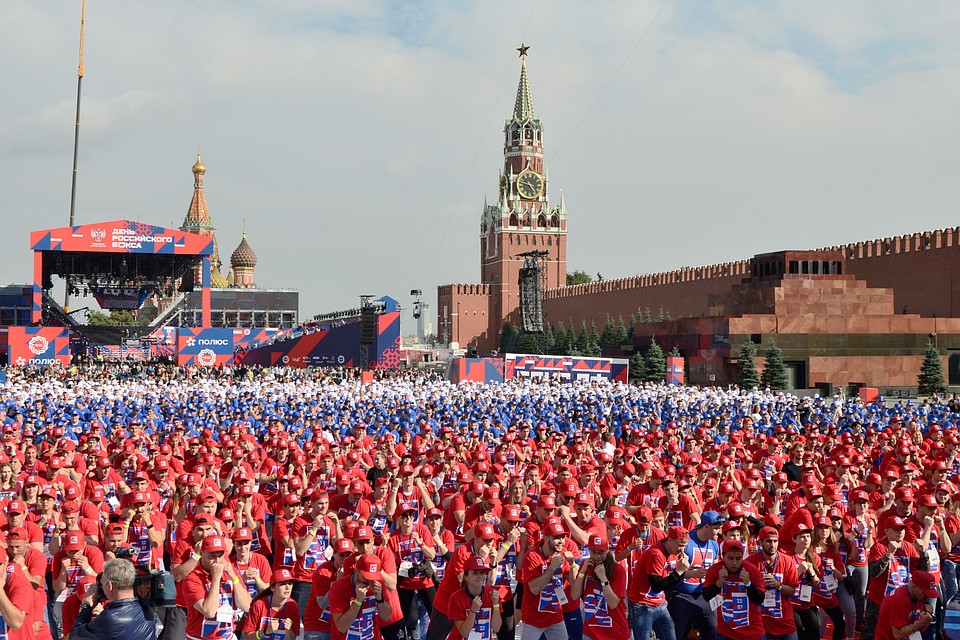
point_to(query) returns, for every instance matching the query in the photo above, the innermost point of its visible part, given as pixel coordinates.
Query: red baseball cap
(598, 543)
(370, 567)
(475, 563)
(74, 541)
(280, 576)
(554, 529)
(213, 544)
(242, 534)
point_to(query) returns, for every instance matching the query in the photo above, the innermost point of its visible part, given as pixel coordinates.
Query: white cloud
(358, 139)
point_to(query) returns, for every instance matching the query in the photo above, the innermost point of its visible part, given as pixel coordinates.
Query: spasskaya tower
(520, 220)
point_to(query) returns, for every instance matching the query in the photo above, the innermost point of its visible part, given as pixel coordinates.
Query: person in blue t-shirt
(685, 605)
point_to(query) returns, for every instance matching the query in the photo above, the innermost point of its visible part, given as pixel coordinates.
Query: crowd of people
(305, 504)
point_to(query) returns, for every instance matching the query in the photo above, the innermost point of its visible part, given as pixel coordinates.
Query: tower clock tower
(522, 219)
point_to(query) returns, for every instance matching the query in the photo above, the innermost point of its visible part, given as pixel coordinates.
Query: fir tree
(561, 341)
(508, 337)
(930, 381)
(594, 337)
(660, 315)
(609, 336)
(748, 377)
(774, 374)
(638, 368)
(675, 352)
(621, 337)
(655, 366)
(583, 339)
(647, 317)
(546, 340)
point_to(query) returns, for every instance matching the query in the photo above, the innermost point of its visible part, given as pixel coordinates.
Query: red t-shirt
(680, 514)
(451, 580)
(652, 537)
(406, 552)
(21, 595)
(367, 623)
(74, 572)
(257, 562)
(600, 622)
(261, 614)
(283, 556)
(737, 617)
(459, 606)
(196, 586)
(654, 561)
(897, 572)
(543, 609)
(778, 619)
(897, 610)
(316, 553)
(316, 618)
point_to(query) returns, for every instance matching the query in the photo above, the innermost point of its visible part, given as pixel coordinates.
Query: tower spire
(523, 108)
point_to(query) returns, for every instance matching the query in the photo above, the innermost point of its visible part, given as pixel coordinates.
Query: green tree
(660, 316)
(508, 338)
(748, 376)
(638, 368)
(655, 366)
(526, 342)
(774, 374)
(116, 317)
(621, 337)
(647, 316)
(561, 341)
(582, 343)
(546, 339)
(578, 277)
(930, 381)
(609, 336)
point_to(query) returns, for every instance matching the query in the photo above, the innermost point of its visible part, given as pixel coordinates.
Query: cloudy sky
(358, 139)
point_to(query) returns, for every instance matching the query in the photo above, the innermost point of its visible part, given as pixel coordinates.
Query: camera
(156, 588)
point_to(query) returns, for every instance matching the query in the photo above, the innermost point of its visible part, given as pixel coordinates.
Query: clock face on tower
(529, 184)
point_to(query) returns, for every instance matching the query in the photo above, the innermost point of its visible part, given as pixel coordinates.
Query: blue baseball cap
(710, 518)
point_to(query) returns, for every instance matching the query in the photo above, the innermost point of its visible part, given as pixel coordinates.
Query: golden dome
(198, 168)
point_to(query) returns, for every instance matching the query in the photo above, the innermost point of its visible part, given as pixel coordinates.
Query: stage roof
(121, 236)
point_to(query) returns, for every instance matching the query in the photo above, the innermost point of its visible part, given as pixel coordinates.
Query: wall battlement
(907, 243)
(686, 274)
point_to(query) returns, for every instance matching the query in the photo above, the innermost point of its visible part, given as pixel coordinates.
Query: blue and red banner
(121, 236)
(565, 367)
(204, 347)
(475, 370)
(38, 346)
(675, 370)
(332, 346)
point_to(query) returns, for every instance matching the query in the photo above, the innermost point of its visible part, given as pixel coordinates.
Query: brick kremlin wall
(922, 269)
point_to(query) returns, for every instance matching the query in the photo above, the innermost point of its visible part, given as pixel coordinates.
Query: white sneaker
(953, 606)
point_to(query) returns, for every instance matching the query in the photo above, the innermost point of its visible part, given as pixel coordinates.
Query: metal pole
(76, 145)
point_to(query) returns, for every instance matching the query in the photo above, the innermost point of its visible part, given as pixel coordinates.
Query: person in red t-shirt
(17, 610)
(780, 580)
(660, 567)
(358, 606)
(545, 570)
(602, 586)
(482, 545)
(316, 619)
(740, 588)
(475, 609)
(253, 569)
(212, 592)
(274, 616)
(412, 545)
(891, 561)
(903, 613)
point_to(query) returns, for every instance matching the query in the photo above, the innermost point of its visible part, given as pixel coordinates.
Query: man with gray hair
(123, 616)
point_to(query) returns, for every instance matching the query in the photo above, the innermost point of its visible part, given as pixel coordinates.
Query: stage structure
(532, 282)
(120, 263)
